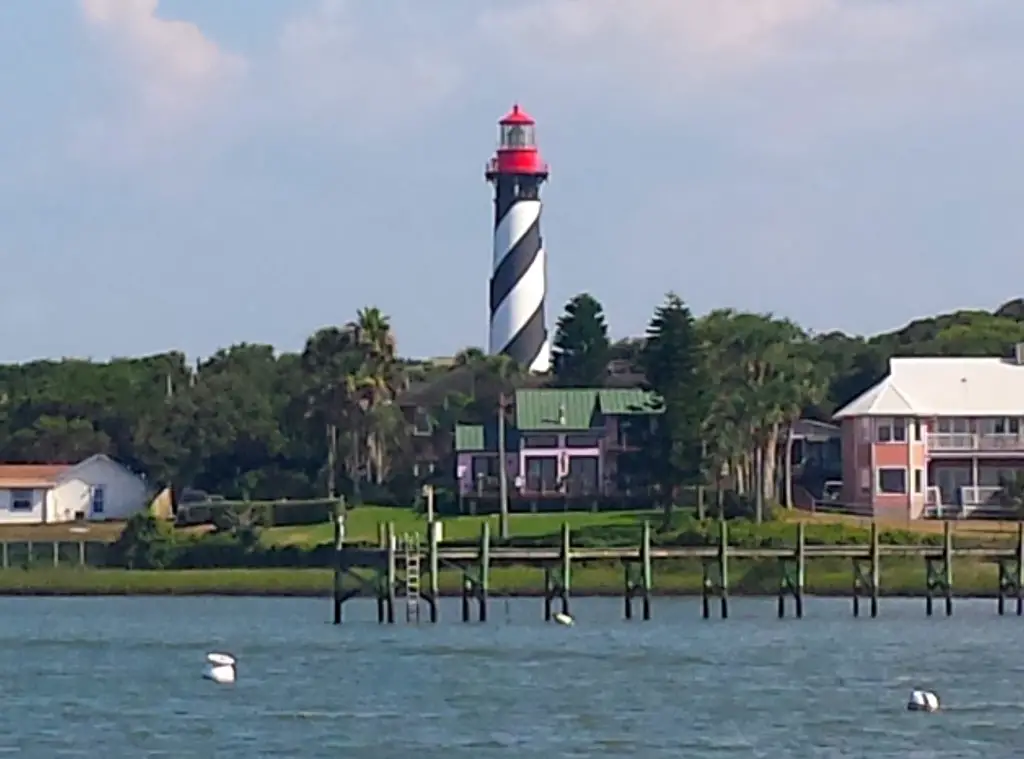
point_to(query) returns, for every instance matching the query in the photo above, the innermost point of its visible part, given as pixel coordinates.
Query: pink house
(936, 437)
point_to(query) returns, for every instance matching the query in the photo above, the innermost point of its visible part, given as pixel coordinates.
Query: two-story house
(560, 443)
(936, 437)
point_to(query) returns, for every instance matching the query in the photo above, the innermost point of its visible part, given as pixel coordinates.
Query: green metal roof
(469, 437)
(480, 437)
(555, 409)
(628, 401)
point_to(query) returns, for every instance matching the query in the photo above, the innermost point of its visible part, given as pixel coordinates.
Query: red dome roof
(517, 116)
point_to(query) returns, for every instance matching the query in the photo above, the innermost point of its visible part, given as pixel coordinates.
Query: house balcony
(969, 442)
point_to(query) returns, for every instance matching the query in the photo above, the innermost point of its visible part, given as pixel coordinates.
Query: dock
(398, 565)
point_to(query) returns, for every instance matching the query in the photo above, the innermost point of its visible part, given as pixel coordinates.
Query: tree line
(342, 415)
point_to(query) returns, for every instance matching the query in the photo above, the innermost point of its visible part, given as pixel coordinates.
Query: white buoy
(563, 619)
(923, 701)
(220, 668)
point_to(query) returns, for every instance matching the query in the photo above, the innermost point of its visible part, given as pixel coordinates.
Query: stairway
(410, 547)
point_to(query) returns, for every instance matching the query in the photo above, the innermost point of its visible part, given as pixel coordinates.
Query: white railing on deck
(968, 441)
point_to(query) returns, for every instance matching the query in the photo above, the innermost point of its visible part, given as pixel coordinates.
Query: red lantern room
(517, 147)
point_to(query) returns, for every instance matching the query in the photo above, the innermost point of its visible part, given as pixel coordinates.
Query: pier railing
(475, 562)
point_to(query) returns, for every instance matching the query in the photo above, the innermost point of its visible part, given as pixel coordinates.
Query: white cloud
(665, 42)
(337, 66)
(785, 72)
(173, 65)
(171, 74)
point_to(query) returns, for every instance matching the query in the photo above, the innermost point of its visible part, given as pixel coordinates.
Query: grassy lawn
(361, 525)
(824, 577)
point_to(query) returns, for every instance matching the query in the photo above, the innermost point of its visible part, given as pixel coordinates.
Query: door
(582, 476)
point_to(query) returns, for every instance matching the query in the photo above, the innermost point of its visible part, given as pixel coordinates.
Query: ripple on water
(120, 678)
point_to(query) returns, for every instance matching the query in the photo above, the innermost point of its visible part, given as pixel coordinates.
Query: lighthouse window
(516, 136)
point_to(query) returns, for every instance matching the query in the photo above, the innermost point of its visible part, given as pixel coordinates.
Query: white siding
(35, 515)
(124, 493)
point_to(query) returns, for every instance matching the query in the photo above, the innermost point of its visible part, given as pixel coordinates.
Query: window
(899, 430)
(422, 424)
(541, 474)
(582, 441)
(540, 441)
(892, 481)
(484, 466)
(917, 430)
(884, 431)
(21, 500)
(918, 480)
(98, 499)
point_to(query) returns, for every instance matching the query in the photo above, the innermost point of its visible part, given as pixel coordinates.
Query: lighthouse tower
(519, 280)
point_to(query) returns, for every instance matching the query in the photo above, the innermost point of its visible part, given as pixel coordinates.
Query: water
(120, 678)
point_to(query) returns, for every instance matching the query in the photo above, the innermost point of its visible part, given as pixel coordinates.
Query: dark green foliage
(249, 423)
(145, 543)
(581, 348)
(673, 365)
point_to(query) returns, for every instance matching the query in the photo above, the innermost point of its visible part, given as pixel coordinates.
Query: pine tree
(581, 347)
(673, 367)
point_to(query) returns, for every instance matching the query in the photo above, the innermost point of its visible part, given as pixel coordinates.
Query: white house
(95, 489)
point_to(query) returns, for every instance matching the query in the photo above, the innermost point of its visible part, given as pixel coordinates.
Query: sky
(175, 175)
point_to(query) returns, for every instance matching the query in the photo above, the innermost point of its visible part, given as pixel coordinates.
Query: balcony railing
(975, 501)
(990, 442)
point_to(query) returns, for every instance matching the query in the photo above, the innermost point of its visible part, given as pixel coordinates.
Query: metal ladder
(411, 561)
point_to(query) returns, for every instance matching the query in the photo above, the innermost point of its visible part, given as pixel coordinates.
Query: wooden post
(81, 553)
(801, 569)
(876, 571)
(56, 554)
(549, 593)
(339, 549)
(628, 590)
(566, 567)
(723, 568)
(434, 566)
(485, 570)
(947, 560)
(648, 574)
(392, 574)
(1020, 569)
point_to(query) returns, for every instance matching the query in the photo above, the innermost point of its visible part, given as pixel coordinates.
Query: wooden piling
(483, 585)
(876, 569)
(566, 561)
(647, 570)
(339, 547)
(392, 574)
(723, 568)
(434, 567)
(801, 569)
(638, 576)
(791, 576)
(1020, 569)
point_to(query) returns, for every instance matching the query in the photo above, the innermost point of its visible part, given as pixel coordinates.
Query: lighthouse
(519, 278)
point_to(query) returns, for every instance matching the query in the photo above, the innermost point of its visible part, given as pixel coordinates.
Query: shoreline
(506, 582)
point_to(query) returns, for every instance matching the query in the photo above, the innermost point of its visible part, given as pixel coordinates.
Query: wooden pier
(396, 559)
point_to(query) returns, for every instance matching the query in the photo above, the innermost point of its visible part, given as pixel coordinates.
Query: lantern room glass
(517, 136)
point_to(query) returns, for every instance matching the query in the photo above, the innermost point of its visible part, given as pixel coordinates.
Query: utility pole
(502, 474)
